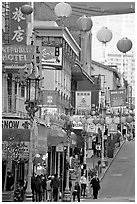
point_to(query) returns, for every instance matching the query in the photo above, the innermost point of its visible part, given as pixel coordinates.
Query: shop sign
(17, 54)
(91, 128)
(59, 148)
(129, 96)
(17, 24)
(118, 98)
(15, 124)
(112, 128)
(52, 56)
(83, 100)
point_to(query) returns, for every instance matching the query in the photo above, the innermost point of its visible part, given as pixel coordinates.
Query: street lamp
(32, 92)
(68, 129)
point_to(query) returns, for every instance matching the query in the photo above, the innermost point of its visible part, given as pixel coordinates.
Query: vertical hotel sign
(83, 100)
(17, 25)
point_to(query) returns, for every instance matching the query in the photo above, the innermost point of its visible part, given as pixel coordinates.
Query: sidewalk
(93, 161)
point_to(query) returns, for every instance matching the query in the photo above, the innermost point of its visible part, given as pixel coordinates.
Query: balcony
(13, 105)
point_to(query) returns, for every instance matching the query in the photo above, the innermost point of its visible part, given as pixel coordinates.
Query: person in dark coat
(76, 192)
(38, 188)
(95, 184)
(10, 181)
(55, 183)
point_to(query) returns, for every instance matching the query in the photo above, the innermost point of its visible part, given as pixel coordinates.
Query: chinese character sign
(18, 24)
(83, 100)
(118, 98)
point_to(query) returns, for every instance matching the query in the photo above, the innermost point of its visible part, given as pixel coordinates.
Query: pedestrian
(38, 188)
(49, 189)
(55, 186)
(44, 185)
(10, 181)
(95, 184)
(76, 192)
(83, 182)
(118, 137)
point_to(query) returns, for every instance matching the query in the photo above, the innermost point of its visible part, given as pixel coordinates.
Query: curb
(111, 161)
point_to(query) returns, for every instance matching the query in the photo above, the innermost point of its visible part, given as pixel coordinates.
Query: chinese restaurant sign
(18, 24)
(118, 98)
(17, 54)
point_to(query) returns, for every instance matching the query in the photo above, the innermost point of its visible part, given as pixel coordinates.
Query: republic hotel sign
(17, 54)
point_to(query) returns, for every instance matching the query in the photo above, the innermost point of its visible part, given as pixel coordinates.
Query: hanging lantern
(123, 120)
(96, 121)
(102, 121)
(84, 23)
(126, 113)
(77, 119)
(108, 120)
(63, 116)
(124, 45)
(26, 9)
(129, 119)
(116, 120)
(63, 10)
(90, 120)
(108, 112)
(104, 35)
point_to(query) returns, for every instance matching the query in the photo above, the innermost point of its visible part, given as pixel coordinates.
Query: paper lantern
(63, 10)
(26, 9)
(84, 23)
(104, 35)
(124, 45)
(129, 119)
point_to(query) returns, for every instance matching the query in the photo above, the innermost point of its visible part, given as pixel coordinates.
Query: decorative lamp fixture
(84, 23)
(63, 10)
(32, 88)
(129, 119)
(26, 9)
(123, 120)
(102, 121)
(124, 45)
(104, 35)
(96, 121)
(116, 120)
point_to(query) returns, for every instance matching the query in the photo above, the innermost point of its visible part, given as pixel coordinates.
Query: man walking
(55, 186)
(95, 184)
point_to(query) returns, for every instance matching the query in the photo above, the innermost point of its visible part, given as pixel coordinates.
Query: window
(22, 91)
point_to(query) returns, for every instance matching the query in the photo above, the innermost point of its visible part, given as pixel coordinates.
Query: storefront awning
(58, 136)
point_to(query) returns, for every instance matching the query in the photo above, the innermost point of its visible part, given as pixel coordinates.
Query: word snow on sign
(83, 100)
(17, 54)
(15, 124)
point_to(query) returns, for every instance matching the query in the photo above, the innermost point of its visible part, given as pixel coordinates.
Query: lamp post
(68, 129)
(32, 92)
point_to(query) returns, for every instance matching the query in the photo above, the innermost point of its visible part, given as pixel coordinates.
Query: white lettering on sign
(18, 15)
(15, 58)
(18, 34)
(15, 124)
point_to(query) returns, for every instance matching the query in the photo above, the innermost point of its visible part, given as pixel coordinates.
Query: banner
(118, 98)
(17, 24)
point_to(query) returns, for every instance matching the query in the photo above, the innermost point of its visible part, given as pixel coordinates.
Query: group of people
(80, 187)
(45, 189)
